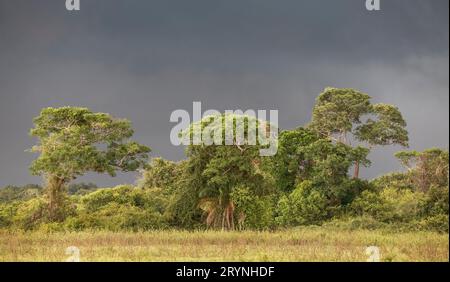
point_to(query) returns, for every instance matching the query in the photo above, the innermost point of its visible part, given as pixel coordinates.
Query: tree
(290, 166)
(73, 141)
(427, 168)
(217, 170)
(162, 174)
(329, 170)
(339, 113)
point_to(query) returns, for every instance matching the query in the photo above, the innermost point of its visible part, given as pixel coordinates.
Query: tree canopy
(74, 140)
(226, 181)
(345, 115)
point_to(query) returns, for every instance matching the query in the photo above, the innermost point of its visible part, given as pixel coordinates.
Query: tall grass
(302, 244)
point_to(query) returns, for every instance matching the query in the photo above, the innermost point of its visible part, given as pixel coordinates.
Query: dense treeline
(308, 182)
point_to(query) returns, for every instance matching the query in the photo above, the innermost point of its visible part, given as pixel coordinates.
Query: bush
(30, 214)
(146, 199)
(253, 212)
(436, 202)
(394, 180)
(120, 208)
(390, 205)
(115, 217)
(304, 206)
(437, 223)
(7, 211)
(162, 174)
(50, 227)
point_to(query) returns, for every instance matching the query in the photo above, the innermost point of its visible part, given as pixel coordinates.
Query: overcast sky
(142, 59)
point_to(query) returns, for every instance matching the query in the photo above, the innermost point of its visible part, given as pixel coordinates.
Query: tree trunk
(231, 215)
(55, 194)
(228, 217)
(356, 171)
(223, 219)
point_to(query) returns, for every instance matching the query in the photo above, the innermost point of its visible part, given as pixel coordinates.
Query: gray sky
(142, 59)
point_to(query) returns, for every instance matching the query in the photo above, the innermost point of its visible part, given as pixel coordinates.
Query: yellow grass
(305, 244)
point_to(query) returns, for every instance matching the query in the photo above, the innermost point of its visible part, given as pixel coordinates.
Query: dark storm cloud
(143, 59)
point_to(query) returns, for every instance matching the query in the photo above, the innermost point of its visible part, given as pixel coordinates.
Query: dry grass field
(306, 244)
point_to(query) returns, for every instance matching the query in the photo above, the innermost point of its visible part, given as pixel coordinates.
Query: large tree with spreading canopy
(345, 115)
(73, 141)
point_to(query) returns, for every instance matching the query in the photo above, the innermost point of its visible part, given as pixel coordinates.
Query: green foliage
(30, 214)
(216, 170)
(344, 194)
(163, 174)
(339, 113)
(70, 142)
(81, 188)
(387, 128)
(436, 202)
(121, 208)
(253, 211)
(390, 205)
(331, 162)
(290, 165)
(426, 169)
(411, 200)
(126, 195)
(7, 212)
(15, 193)
(437, 223)
(73, 141)
(395, 180)
(304, 206)
(337, 110)
(183, 209)
(114, 216)
(232, 186)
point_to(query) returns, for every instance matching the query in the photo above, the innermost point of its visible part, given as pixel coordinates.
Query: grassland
(305, 244)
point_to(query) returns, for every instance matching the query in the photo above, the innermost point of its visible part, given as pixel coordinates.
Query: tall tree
(73, 141)
(337, 111)
(218, 169)
(346, 114)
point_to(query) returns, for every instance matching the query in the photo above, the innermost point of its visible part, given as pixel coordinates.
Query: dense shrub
(123, 207)
(251, 191)
(7, 212)
(114, 216)
(304, 206)
(436, 201)
(437, 223)
(30, 214)
(252, 211)
(120, 208)
(390, 205)
(394, 180)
